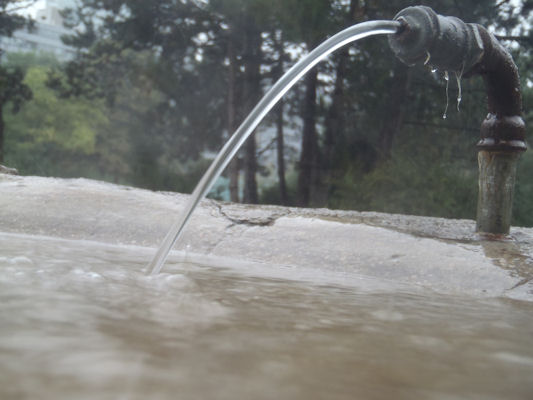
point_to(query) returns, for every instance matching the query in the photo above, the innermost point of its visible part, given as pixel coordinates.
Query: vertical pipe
(497, 173)
(502, 137)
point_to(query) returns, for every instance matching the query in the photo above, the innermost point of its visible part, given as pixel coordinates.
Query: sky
(32, 9)
(29, 9)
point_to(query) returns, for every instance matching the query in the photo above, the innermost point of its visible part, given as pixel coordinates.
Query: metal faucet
(449, 44)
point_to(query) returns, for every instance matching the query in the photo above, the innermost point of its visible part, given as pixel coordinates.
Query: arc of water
(253, 119)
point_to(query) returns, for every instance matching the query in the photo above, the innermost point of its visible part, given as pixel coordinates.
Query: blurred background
(145, 93)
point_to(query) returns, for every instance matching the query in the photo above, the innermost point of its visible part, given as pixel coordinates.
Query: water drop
(458, 77)
(459, 91)
(427, 58)
(434, 70)
(447, 78)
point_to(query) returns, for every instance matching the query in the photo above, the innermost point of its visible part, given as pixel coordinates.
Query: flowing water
(82, 320)
(253, 119)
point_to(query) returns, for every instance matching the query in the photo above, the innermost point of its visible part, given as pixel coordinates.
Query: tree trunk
(335, 124)
(395, 109)
(250, 169)
(252, 81)
(233, 168)
(335, 119)
(280, 149)
(308, 156)
(1, 133)
(280, 140)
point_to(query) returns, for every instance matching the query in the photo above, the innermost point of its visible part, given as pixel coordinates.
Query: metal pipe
(449, 44)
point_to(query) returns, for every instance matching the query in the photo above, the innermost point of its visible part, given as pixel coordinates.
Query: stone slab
(432, 253)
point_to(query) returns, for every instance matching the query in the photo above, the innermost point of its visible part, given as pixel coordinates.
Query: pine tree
(13, 91)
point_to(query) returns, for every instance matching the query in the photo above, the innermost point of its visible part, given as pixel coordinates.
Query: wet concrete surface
(431, 253)
(83, 320)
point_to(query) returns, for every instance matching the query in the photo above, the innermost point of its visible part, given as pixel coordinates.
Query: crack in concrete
(239, 226)
(268, 220)
(523, 282)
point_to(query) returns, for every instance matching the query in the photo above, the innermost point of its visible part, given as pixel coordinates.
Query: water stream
(269, 100)
(82, 320)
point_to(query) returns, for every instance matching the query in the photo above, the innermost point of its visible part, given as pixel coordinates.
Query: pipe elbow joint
(504, 128)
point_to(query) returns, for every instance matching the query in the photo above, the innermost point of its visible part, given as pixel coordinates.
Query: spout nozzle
(445, 43)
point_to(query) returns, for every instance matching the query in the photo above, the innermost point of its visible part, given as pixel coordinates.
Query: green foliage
(49, 123)
(13, 90)
(27, 60)
(147, 96)
(9, 20)
(307, 21)
(271, 194)
(403, 185)
(11, 87)
(80, 136)
(523, 203)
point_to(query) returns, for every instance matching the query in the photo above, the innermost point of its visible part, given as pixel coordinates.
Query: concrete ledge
(433, 253)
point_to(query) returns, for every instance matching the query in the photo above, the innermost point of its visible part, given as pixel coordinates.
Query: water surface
(81, 320)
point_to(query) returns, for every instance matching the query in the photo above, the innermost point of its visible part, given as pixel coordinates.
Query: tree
(162, 47)
(335, 120)
(277, 72)
(178, 77)
(12, 89)
(252, 94)
(14, 92)
(233, 168)
(309, 22)
(51, 136)
(247, 22)
(10, 21)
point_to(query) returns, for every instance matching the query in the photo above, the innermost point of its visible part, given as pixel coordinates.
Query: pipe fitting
(445, 43)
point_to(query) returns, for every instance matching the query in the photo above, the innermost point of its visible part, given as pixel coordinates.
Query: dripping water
(458, 77)
(253, 119)
(459, 93)
(447, 79)
(427, 58)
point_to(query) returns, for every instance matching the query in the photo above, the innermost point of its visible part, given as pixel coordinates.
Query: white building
(46, 35)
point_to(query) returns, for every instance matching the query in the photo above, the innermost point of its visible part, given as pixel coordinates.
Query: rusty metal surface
(503, 129)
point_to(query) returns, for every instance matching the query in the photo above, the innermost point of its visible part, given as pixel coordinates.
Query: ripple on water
(81, 320)
(387, 315)
(514, 358)
(17, 260)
